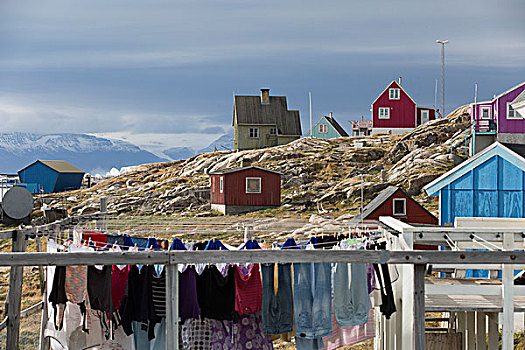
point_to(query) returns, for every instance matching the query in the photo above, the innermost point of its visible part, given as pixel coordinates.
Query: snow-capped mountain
(225, 142)
(89, 153)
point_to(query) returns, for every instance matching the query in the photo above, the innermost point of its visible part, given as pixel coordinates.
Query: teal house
(490, 184)
(327, 128)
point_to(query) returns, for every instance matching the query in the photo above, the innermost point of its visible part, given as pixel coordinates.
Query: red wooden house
(395, 202)
(240, 190)
(395, 112)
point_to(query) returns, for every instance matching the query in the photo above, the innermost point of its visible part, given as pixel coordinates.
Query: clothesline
(335, 322)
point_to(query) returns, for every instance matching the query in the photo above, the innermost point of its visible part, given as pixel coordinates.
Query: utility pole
(310, 98)
(442, 42)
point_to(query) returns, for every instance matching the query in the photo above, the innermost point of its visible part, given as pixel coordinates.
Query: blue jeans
(313, 299)
(277, 308)
(351, 302)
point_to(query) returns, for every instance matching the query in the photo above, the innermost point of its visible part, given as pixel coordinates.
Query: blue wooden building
(327, 128)
(52, 176)
(490, 184)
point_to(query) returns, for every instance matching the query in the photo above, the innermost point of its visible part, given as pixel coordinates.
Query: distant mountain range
(89, 153)
(94, 155)
(225, 142)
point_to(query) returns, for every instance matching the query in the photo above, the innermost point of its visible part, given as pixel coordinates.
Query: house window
(253, 133)
(323, 129)
(400, 206)
(512, 113)
(393, 94)
(384, 113)
(253, 185)
(221, 185)
(485, 112)
(273, 131)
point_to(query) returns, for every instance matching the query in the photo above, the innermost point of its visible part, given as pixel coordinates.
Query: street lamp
(442, 42)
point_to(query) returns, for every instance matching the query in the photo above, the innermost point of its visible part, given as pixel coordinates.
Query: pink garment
(342, 336)
(119, 280)
(248, 290)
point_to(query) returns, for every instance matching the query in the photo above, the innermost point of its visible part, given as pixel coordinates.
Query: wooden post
(507, 334)
(14, 298)
(481, 331)
(172, 307)
(493, 342)
(419, 306)
(40, 267)
(462, 326)
(248, 235)
(407, 298)
(102, 224)
(471, 330)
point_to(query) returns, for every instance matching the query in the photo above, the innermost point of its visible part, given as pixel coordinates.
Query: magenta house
(498, 119)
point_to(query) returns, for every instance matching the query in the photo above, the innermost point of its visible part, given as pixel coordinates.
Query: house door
(424, 117)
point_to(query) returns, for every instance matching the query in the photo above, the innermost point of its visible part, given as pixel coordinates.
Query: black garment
(326, 242)
(158, 290)
(388, 304)
(519, 279)
(99, 288)
(200, 245)
(216, 294)
(58, 292)
(138, 303)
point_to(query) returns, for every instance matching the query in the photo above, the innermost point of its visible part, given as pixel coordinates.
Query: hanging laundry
(99, 288)
(248, 289)
(388, 305)
(312, 302)
(344, 336)
(216, 293)
(188, 301)
(158, 290)
(119, 280)
(277, 308)
(138, 305)
(114, 239)
(245, 334)
(57, 296)
(351, 300)
(197, 334)
(98, 238)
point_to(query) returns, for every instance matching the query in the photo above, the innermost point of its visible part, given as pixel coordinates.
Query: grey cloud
(213, 130)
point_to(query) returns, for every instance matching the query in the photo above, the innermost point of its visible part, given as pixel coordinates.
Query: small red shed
(240, 190)
(395, 202)
(394, 111)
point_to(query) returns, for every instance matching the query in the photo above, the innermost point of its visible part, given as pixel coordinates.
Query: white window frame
(221, 184)
(516, 114)
(253, 178)
(323, 128)
(394, 94)
(385, 115)
(427, 112)
(254, 132)
(273, 131)
(404, 206)
(485, 108)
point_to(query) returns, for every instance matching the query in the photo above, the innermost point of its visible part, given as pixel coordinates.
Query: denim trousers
(277, 308)
(313, 299)
(351, 301)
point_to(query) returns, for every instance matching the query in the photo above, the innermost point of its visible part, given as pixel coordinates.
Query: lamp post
(442, 42)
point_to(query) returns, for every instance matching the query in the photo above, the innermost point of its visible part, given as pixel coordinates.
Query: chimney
(399, 81)
(331, 115)
(265, 96)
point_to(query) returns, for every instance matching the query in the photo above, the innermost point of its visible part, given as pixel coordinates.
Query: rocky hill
(319, 175)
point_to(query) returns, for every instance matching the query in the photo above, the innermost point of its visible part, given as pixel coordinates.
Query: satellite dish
(17, 203)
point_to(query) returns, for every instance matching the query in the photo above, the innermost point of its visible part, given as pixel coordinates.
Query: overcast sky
(162, 73)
